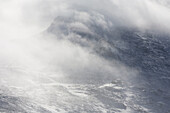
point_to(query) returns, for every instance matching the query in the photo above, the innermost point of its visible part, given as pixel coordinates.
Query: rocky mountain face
(147, 51)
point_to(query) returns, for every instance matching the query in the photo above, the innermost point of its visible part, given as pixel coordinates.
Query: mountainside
(84, 56)
(146, 51)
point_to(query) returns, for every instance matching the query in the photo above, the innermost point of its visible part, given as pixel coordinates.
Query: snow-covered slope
(96, 56)
(146, 51)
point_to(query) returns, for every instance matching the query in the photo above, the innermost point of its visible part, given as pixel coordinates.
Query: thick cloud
(22, 19)
(146, 14)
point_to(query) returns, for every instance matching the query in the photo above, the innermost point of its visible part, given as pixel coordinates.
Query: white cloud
(20, 20)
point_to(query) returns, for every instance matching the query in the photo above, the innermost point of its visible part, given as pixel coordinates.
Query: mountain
(96, 56)
(146, 51)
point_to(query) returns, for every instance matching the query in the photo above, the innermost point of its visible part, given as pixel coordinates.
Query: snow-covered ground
(43, 94)
(80, 57)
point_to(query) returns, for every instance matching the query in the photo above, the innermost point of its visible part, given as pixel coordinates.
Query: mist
(54, 49)
(23, 43)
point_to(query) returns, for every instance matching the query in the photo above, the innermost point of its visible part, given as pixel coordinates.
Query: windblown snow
(93, 56)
